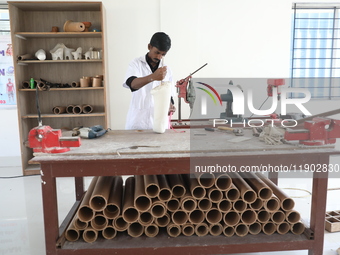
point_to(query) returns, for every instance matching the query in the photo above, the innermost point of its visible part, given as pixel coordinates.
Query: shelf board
(25, 62)
(25, 35)
(163, 242)
(32, 169)
(58, 6)
(63, 115)
(68, 89)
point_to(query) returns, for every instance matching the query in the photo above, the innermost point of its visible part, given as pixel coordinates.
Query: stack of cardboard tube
(201, 204)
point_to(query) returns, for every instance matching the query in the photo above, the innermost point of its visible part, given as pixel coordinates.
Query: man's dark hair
(161, 41)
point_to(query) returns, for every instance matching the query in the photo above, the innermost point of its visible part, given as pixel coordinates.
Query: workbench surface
(118, 144)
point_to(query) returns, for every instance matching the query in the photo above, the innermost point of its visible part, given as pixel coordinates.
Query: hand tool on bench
(236, 131)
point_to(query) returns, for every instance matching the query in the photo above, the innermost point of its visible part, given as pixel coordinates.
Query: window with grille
(316, 50)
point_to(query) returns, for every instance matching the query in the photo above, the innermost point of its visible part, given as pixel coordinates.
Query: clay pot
(96, 82)
(85, 82)
(71, 26)
(87, 25)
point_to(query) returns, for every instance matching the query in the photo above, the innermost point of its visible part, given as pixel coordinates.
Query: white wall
(236, 38)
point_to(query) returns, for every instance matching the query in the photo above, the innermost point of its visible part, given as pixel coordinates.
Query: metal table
(145, 152)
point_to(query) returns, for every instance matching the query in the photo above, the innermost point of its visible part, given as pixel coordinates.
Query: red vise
(48, 140)
(319, 131)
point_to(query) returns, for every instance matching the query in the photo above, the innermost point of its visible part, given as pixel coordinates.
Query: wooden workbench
(176, 152)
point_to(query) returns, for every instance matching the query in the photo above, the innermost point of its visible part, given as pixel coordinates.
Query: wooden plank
(59, 34)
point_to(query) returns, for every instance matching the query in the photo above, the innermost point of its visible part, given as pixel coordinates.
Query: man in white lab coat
(143, 74)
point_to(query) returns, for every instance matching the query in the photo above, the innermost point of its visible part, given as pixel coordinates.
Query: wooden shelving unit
(31, 24)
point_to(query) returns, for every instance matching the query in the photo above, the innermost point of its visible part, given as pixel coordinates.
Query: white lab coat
(140, 114)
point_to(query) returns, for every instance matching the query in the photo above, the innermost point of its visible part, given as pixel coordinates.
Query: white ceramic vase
(40, 54)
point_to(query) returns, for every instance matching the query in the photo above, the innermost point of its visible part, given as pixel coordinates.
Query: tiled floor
(21, 218)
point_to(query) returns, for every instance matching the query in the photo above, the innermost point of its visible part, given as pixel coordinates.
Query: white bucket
(161, 97)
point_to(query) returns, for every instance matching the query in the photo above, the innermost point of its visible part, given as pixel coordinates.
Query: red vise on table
(318, 131)
(48, 140)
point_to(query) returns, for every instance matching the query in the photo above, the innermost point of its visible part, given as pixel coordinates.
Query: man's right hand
(159, 74)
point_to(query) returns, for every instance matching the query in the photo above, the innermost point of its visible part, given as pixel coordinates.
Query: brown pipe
(187, 202)
(272, 204)
(255, 228)
(278, 217)
(120, 224)
(287, 203)
(163, 221)
(130, 213)
(173, 204)
(177, 185)
(206, 180)
(145, 218)
(85, 212)
(24, 57)
(268, 228)
(283, 228)
(142, 202)
(26, 85)
(248, 216)
(201, 229)
(293, 217)
(215, 229)
(232, 194)
(69, 108)
(204, 204)
(135, 229)
(241, 229)
(262, 189)
(165, 193)
(114, 203)
(213, 216)
(109, 232)
(257, 205)
(224, 206)
(240, 205)
(247, 193)
(173, 230)
(215, 195)
(99, 222)
(75, 84)
(228, 231)
(80, 225)
(297, 228)
(151, 185)
(263, 216)
(77, 109)
(90, 235)
(188, 229)
(72, 234)
(223, 182)
(196, 190)
(101, 192)
(231, 218)
(158, 208)
(59, 109)
(179, 217)
(151, 230)
(196, 216)
(41, 85)
(86, 108)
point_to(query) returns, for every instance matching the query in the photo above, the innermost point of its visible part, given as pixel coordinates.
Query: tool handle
(209, 129)
(226, 128)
